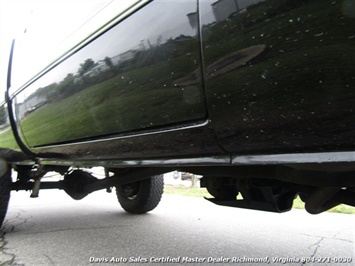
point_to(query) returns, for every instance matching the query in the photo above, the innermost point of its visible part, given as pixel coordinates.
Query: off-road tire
(141, 196)
(5, 189)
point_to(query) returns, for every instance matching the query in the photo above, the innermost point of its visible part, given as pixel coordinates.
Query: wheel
(141, 196)
(5, 189)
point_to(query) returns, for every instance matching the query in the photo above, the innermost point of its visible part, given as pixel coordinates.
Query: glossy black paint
(280, 75)
(126, 80)
(126, 90)
(169, 143)
(208, 78)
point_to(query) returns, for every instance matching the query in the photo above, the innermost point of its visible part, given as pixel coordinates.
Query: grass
(186, 191)
(202, 192)
(138, 99)
(7, 140)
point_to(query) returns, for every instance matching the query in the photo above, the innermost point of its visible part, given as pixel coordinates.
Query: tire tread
(5, 190)
(148, 197)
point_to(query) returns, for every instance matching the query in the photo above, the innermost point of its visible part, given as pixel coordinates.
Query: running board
(252, 205)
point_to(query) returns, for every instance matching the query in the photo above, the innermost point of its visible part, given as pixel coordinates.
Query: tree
(66, 87)
(86, 66)
(109, 63)
(3, 115)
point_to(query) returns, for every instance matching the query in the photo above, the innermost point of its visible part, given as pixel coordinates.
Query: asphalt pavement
(56, 230)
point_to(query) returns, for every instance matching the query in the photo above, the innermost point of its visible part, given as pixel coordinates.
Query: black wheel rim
(130, 191)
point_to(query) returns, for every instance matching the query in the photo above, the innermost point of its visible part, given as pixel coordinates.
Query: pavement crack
(10, 226)
(341, 231)
(317, 245)
(6, 257)
(14, 223)
(73, 229)
(332, 237)
(50, 259)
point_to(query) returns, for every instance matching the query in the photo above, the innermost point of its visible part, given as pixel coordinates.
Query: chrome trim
(300, 158)
(203, 161)
(132, 135)
(26, 162)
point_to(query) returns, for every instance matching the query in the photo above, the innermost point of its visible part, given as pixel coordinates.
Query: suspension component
(36, 187)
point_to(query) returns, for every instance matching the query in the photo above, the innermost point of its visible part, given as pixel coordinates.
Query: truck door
(142, 73)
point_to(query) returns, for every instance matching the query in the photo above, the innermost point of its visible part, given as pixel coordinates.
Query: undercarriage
(264, 187)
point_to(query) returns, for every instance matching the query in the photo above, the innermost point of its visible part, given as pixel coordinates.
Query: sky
(12, 15)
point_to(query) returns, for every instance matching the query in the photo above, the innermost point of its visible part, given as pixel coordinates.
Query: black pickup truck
(257, 96)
